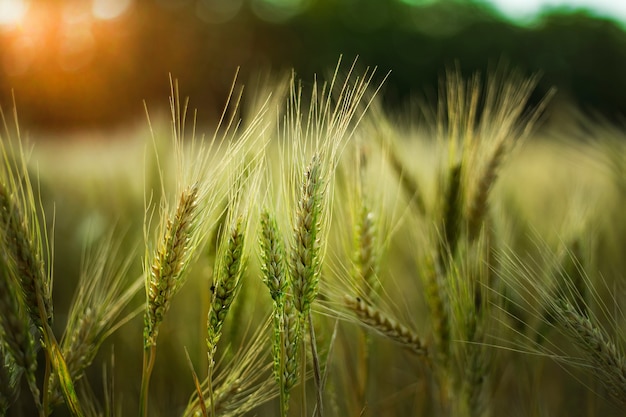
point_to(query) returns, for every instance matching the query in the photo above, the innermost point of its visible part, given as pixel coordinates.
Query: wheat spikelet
(291, 338)
(386, 326)
(365, 251)
(437, 300)
(228, 275)
(16, 338)
(607, 360)
(305, 251)
(287, 336)
(25, 257)
(272, 257)
(478, 202)
(8, 388)
(408, 183)
(286, 323)
(452, 213)
(165, 275)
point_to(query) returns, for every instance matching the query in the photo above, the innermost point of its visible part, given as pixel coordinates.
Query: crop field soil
(316, 255)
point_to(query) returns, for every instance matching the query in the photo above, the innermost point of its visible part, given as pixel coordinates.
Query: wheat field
(315, 255)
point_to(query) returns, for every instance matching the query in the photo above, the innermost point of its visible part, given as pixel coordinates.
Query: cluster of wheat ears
(338, 276)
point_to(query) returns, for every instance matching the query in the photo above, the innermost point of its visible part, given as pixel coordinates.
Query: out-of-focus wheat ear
(474, 385)
(407, 182)
(437, 300)
(101, 296)
(570, 282)
(605, 358)
(366, 257)
(305, 251)
(386, 326)
(165, 274)
(9, 377)
(452, 214)
(17, 340)
(478, 202)
(20, 248)
(272, 257)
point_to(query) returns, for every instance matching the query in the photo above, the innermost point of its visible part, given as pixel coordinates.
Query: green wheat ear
(16, 341)
(228, 274)
(305, 250)
(165, 275)
(286, 323)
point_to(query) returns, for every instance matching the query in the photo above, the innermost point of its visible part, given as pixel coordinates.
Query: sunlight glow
(12, 11)
(109, 9)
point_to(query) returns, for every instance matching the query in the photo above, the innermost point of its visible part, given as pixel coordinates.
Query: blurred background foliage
(84, 64)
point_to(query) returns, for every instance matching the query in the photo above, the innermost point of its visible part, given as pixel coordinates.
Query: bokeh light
(218, 11)
(109, 9)
(277, 10)
(528, 10)
(12, 11)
